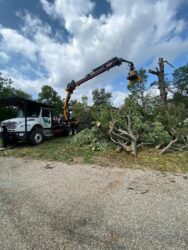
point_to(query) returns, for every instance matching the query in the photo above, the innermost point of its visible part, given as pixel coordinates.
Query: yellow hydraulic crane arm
(132, 76)
(65, 107)
(69, 90)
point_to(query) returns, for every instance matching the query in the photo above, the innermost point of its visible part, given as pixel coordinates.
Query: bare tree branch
(169, 145)
(139, 145)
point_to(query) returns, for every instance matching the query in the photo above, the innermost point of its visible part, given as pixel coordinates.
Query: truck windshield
(31, 112)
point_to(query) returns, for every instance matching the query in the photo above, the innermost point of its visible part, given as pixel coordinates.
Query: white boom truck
(34, 122)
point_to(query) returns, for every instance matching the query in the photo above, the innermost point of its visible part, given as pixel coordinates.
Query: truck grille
(9, 125)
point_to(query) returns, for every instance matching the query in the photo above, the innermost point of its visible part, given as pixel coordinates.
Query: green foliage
(173, 118)
(100, 111)
(49, 95)
(101, 97)
(171, 115)
(138, 124)
(103, 114)
(6, 90)
(85, 101)
(157, 135)
(4, 82)
(85, 137)
(132, 106)
(20, 93)
(180, 98)
(134, 110)
(91, 138)
(82, 113)
(180, 79)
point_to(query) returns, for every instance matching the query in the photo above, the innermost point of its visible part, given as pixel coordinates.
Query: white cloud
(48, 7)
(33, 25)
(135, 30)
(4, 57)
(14, 42)
(68, 11)
(24, 83)
(153, 91)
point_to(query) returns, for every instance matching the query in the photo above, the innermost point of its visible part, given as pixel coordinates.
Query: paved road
(61, 206)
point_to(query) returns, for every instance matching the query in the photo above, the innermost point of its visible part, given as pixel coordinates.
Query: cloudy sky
(55, 41)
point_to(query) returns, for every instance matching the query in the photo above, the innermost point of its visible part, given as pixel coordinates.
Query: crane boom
(95, 72)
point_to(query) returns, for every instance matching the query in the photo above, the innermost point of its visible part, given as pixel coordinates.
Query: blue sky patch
(55, 54)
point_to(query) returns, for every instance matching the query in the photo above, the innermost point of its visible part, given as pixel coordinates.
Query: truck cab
(35, 115)
(34, 122)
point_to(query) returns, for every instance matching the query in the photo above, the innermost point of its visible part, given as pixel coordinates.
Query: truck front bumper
(12, 135)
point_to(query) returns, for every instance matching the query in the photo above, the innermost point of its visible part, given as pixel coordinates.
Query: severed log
(169, 145)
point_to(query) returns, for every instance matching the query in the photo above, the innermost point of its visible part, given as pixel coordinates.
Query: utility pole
(161, 82)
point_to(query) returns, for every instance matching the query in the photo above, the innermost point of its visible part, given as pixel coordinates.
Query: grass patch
(56, 149)
(146, 159)
(61, 149)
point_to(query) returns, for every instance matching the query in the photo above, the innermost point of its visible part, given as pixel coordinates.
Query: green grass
(56, 149)
(61, 149)
(147, 159)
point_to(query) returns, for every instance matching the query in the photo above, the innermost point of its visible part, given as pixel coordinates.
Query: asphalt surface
(60, 206)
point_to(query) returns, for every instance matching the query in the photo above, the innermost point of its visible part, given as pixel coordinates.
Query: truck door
(46, 118)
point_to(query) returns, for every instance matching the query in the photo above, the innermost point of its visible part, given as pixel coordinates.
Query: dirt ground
(58, 206)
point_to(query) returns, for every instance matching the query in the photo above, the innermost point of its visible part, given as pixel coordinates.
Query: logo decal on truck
(45, 120)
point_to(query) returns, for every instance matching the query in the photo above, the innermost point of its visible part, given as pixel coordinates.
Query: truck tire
(36, 137)
(72, 131)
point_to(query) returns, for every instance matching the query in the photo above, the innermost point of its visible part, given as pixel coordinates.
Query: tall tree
(6, 90)
(85, 101)
(162, 83)
(101, 97)
(180, 79)
(49, 95)
(4, 81)
(82, 112)
(20, 93)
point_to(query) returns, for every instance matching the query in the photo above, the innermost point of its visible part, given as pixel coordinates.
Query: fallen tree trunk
(124, 138)
(169, 145)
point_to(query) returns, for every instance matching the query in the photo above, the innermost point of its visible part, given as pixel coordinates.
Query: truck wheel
(70, 132)
(36, 137)
(75, 131)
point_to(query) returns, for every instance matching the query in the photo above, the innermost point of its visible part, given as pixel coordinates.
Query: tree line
(143, 119)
